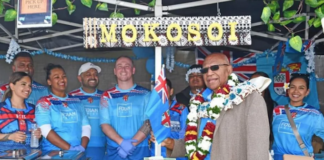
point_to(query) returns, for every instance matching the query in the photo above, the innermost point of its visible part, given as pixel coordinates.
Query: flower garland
(224, 98)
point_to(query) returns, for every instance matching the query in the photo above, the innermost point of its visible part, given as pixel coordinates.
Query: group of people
(112, 124)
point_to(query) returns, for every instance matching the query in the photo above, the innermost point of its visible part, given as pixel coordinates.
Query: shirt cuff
(86, 131)
(45, 129)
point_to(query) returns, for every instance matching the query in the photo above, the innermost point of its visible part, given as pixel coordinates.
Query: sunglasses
(213, 68)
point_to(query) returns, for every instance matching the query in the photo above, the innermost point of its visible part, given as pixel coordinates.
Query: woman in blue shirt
(309, 121)
(61, 117)
(16, 115)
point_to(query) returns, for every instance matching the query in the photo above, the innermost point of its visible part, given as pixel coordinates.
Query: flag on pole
(158, 109)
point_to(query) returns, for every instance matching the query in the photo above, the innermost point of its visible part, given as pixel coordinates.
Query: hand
(18, 137)
(122, 153)
(37, 133)
(77, 148)
(152, 139)
(168, 143)
(127, 146)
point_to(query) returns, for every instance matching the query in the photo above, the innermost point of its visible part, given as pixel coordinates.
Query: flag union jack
(161, 87)
(243, 72)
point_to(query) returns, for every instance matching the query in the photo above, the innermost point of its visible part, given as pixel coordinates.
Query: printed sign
(166, 31)
(34, 13)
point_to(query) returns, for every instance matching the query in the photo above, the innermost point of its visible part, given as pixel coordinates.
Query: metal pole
(253, 33)
(158, 60)
(128, 4)
(50, 35)
(16, 28)
(274, 46)
(306, 24)
(191, 4)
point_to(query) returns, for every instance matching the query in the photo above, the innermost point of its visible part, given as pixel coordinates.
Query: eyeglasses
(213, 68)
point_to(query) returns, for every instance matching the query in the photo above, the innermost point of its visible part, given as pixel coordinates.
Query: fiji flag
(157, 109)
(243, 72)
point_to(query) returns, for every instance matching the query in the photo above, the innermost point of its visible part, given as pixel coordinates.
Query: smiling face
(196, 80)
(57, 80)
(89, 79)
(22, 88)
(124, 69)
(298, 90)
(217, 78)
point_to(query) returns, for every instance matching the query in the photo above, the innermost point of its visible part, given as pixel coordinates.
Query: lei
(224, 98)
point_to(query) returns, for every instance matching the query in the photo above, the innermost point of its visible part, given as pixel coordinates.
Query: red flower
(210, 126)
(199, 98)
(224, 90)
(190, 137)
(200, 156)
(190, 128)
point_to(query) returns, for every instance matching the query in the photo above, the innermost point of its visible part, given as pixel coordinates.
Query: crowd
(215, 117)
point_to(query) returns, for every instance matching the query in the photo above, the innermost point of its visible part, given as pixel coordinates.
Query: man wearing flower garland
(242, 128)
(196, 84)
(23, 62)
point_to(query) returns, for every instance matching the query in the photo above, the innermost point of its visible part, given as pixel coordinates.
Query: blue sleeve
(146, 99)
(319, 128)
(183, 123)
(104, 109)
(85, 120)
(42, 112)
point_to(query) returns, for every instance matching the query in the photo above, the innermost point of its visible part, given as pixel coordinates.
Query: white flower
(231, 83)
(163, 40)
(218, 101)
(190, 147)
(192, 116)
(286, 86)
(205, 145)
(234, 77)
(192, 124)
(193, 107)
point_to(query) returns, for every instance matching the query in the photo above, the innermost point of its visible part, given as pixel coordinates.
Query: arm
(86, 129)
(183, 123)
(43, 119)
(108, 130)
(57, 140)
(142, 133)
(257, 127)
(175, 148)
(111, 133)
(319, 126)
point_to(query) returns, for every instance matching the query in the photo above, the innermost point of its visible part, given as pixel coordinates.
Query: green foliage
(290, 12)
(116, 15)
(296, 43)
(10, 15)
(102, 6)
(87, 3)
(54, 18)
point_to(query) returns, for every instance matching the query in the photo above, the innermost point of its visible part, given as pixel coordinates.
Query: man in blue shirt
(122, 115)
(23, 62)
(90, 98)
(178, 116)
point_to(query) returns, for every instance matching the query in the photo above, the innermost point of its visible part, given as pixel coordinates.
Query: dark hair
(14, 78)
(50, 67)
(269, 102)
(127, 58)
(169, 83)
(305, 77)
(22, 54)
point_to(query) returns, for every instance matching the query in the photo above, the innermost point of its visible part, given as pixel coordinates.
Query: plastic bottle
(34, 143)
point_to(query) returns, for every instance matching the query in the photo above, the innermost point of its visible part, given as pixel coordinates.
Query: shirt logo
(125, 97)
(284, 127)
(65, 104)
(90, 100)
(69, 116)
(92, 112)
(124, 110)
